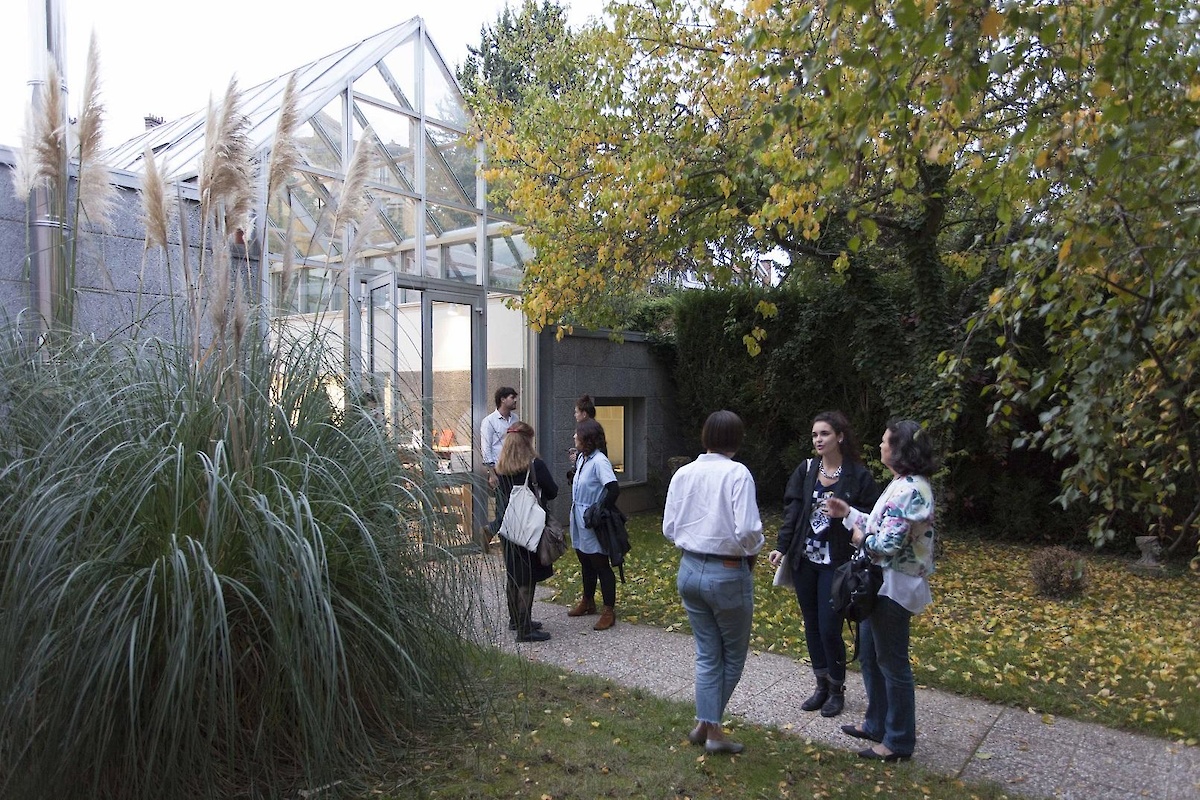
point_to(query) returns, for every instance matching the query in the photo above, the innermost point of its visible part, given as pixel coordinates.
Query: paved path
(970, 739)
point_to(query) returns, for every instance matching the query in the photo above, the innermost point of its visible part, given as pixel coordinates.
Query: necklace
(837, 473)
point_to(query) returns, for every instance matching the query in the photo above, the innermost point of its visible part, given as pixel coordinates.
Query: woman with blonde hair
(523, 569)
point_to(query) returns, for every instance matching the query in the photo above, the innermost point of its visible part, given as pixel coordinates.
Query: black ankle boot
(837, 699)
(819, 696)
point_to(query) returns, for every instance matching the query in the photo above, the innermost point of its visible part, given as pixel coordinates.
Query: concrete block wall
(116, 280)
(587, 362)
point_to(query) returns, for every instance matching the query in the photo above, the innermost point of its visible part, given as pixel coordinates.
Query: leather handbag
(553, 543)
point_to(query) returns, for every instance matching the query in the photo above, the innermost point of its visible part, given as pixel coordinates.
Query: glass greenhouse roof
(385, 65)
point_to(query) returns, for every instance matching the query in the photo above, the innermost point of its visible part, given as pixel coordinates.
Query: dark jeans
(888, 678)
(822, 628)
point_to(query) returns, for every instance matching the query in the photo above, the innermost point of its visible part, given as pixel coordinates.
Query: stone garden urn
(1149, 563)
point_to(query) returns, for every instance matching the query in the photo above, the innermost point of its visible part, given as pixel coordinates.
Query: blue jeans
(822, 627)
(718, 596)
(887, 677)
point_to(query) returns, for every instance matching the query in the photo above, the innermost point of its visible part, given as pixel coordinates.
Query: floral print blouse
(900, 527)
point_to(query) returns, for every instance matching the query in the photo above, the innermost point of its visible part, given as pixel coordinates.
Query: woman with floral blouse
(898, 535)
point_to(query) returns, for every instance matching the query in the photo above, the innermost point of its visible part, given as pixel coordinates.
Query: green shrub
(1058, 572)
(215, 583)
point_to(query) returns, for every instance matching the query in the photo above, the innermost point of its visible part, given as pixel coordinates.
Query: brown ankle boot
(608, 618)
(584, 607)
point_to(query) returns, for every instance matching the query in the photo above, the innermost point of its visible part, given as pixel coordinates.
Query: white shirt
(712, 508)
(491, 434)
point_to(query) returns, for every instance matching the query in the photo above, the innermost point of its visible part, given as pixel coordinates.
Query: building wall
(117, 282)
(591, 363)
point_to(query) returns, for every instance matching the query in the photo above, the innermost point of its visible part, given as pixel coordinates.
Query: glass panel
(389, 244)
(442, 100)
(306, 290)
(446, 229)
(433, 261)
(378, 83)
(400, 68)
(461, 262)
(308, 198)
(613, 420)
(391, 351)
(320, 138)
(508, 255)
(506, 333)
(394, 137)
(449, 167)
(452, 426)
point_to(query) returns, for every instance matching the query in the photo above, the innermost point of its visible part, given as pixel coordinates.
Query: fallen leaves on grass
(1123, 653)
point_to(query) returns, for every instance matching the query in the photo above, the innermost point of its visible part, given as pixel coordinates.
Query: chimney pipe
(47, 233)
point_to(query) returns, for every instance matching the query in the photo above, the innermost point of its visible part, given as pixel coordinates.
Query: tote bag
(524, 518)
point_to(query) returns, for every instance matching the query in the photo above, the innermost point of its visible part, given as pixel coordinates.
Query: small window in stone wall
(613, 418)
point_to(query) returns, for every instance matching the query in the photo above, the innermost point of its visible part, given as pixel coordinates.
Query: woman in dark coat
(522, 567)
(815, 545)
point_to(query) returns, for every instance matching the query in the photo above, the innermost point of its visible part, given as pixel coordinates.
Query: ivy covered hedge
(849, 346)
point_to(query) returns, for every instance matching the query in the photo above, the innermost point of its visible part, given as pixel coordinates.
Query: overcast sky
(165, 58)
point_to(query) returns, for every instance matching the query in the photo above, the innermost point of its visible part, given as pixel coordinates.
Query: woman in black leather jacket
(815, 545)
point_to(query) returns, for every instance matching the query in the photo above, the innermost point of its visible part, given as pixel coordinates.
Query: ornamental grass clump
(1058, 572)
(205, 596)
(216, 578)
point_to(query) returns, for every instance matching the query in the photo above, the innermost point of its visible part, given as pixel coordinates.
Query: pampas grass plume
(226, 172)
(285, 155)
(354, 203)
(156, 209)
(97, 194)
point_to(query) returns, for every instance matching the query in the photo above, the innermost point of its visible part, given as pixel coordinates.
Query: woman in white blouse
(712, 516)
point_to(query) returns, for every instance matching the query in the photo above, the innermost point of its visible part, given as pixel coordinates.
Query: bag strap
(810, 479)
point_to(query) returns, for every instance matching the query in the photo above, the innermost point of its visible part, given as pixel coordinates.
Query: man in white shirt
(491, 435)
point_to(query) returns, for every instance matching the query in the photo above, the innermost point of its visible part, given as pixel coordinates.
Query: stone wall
(117, 282)
(591, 363)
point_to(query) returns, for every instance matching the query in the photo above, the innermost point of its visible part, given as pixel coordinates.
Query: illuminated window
(612, 417)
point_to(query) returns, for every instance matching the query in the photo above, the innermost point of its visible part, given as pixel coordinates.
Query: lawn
(552, 735)
(1124, 654)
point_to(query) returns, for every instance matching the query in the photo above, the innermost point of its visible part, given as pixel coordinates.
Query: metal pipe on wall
(47, 228)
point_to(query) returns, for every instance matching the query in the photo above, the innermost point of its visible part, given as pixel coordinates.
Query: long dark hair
(841, 426)
(912, 448)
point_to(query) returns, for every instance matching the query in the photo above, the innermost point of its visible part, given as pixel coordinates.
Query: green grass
(1124, 654)
(557, 736)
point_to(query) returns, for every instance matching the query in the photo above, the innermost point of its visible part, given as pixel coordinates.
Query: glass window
(507, 255)
(379, 84)
(399, 68)
(393, 232)
(442, 100)
(450, 167)
(450, 235)
(295, 218)
(506, 352)
(612, 417)
(395, 133)
(461, 263)
(305, 290)
(319, 139)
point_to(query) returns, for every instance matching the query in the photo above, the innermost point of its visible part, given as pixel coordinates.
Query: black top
(541, 473)
(857, 487)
